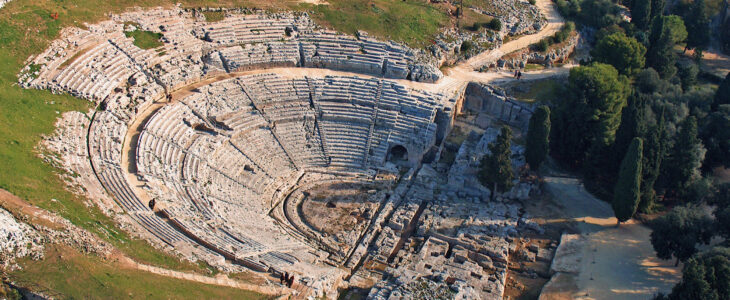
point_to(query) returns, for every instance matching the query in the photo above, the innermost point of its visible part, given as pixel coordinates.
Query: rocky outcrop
(17, 240)
(493, 103)
(548, 58)
(3, 2)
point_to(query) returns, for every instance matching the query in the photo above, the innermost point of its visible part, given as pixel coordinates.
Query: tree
(725, 36)
(635, 120)
(590, 114)
(698, 23)
(722, 217)
(683, 163)
(660, 54)
(677, 29)
(721, 201)
(626, 54)
(715, 136)
(496, 167)
(538, 137)
(641, 13)
(657, 8)
(705, 277)
(649, 82)
(722, 96)
(687, 71)
(654, 151)
(679, 232)
(495, 24)
(466, 46)
(633, 124)
(628, 188)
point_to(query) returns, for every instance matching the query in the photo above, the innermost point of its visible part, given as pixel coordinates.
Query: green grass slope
(69, 274)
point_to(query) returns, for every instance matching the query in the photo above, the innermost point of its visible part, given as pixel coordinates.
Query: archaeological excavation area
(265, 143)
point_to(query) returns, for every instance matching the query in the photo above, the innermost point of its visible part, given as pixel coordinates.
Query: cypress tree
(660, 54)
(538, 137)
(722, 96)
(633, 124)
(698, 23)
(496, 167)
(657, 8)
(641, 13)
(627, 191)
(683, 162)
(715, 135)
(654, 151)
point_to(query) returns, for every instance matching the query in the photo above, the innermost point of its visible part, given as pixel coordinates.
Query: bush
(564, 33)
(495, 24)
(557, 38)
(687, 71)
(466, 46)
(533, 2)
(542, 45)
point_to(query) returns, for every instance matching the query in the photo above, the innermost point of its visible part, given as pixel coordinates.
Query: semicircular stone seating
(217, 160)
(214, 158)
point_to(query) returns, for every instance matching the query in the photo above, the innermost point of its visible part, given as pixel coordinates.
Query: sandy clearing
(618, 262)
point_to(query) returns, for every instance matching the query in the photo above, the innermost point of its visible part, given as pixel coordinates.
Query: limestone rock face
(425, 73)
(556, 55)
(17, 240)
(3, 2)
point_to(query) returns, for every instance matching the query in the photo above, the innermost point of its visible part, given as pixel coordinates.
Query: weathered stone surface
(569, 254)
(17, 240)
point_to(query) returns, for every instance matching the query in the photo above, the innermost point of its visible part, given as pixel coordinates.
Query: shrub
(466, 46)
(542, 45)
(495, 24)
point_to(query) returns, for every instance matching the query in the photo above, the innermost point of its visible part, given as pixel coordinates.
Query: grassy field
(145, 39)
(214, 16)
(412, 22)
(67, 273)
(26, 28)
(541, 91)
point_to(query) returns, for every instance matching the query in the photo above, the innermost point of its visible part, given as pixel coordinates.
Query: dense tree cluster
(639, 102)
(636, 86)
(705, 277)
(678, 234)
(588, 117)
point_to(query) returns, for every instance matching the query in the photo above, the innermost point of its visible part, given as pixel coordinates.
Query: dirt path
(618, 262)
(716, 63)
(555, 21)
